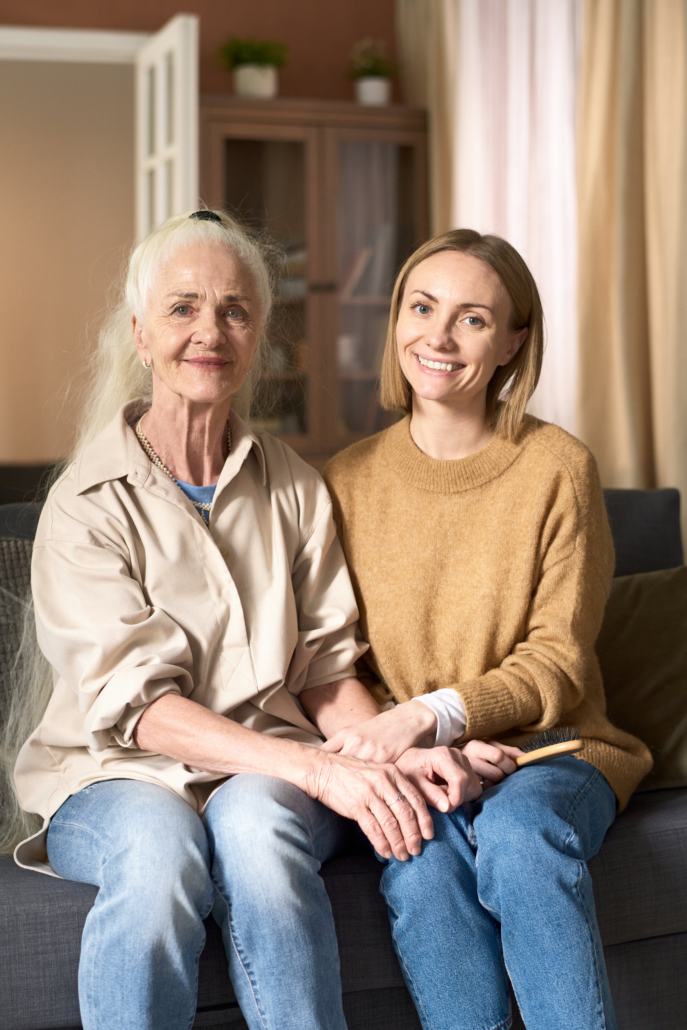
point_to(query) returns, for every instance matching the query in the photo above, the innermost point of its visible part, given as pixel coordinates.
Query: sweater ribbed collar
(448, 477)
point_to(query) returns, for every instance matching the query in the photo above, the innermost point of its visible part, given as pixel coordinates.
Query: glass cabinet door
(377, 230)
(265, 188)
(341, 191)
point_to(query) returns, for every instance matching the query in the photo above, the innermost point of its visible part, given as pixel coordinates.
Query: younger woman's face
(453, 329)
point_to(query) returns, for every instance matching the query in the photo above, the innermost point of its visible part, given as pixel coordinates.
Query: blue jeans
(253, 860)
(503, 886)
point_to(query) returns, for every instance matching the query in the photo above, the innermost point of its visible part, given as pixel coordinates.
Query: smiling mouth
(439, 366)
(207, 362)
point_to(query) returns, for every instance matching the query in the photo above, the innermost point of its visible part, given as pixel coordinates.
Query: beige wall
(67, 219)
(320, 33)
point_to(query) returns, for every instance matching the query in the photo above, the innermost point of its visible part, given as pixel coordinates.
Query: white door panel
(167, 123)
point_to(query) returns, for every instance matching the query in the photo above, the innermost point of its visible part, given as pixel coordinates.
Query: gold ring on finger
(399, 798)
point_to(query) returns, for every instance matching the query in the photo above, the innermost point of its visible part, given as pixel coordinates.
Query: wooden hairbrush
(551, 744)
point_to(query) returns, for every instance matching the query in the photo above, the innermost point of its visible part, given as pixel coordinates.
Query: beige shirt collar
(117, 454)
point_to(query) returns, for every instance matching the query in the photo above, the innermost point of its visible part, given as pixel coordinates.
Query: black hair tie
(206, 216)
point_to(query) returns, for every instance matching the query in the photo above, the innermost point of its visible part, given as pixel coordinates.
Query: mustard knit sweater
(488, 574)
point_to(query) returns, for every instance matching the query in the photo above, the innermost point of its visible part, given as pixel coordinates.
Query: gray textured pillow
(642, 650)
(15, 581)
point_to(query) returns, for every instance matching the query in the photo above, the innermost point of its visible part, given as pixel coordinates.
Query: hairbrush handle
(545, 754)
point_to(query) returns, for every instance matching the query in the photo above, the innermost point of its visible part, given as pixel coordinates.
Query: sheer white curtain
(507, 126)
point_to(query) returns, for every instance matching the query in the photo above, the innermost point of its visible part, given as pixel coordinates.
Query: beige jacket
(135, 598)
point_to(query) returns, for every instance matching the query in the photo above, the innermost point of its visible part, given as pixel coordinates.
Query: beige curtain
(500, 80)
(427, 41)
(632, 222)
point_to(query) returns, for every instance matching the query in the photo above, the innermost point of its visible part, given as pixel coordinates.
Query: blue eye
(422, 309)
(473, 320)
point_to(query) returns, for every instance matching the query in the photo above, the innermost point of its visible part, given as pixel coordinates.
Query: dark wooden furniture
(342, 189)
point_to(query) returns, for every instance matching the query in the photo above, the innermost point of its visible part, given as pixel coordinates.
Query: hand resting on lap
(359, 790)
(448, 776)
(445, 777)
(442, 775)
(491, 760)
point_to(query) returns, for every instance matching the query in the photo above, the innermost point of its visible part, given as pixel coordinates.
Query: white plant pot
(373, 90)
(256, 80)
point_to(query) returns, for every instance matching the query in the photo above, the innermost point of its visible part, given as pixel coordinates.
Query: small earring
(144, 364)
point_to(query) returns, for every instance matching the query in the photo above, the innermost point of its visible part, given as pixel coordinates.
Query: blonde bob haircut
(511, 385)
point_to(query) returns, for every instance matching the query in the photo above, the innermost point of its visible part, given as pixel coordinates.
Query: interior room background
(67, 182)
(560, 124)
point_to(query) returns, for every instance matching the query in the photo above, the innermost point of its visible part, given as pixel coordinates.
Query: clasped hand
(443, 777)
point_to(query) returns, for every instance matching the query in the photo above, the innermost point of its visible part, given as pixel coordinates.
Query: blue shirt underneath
(202, 494)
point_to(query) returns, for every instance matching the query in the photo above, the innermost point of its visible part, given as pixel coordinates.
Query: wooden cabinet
(342, 190)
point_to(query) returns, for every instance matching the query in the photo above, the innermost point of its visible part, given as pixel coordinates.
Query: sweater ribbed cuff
(491, 708)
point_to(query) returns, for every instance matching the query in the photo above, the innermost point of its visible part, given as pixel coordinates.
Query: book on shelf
(355, 272)
(381, 270)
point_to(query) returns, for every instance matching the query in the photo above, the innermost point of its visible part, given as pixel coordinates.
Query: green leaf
(236, 52)
(368, 57)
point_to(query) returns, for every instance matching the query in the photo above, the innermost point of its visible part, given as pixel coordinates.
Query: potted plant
(371, 72)
(255, 64)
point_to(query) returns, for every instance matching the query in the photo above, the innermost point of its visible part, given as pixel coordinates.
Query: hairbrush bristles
(549, 737)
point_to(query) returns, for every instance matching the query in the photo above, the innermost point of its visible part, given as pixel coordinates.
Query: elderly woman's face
(201, 328)
(453, 328)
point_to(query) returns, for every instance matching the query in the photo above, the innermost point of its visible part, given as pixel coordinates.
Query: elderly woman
(481, 559)
(193, 601)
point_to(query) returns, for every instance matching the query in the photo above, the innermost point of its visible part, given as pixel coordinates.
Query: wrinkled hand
(366, 793)
(385, 737)
(443, 775)
(491, 760)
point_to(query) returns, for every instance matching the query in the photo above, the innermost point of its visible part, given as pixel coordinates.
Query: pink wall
(320, 33)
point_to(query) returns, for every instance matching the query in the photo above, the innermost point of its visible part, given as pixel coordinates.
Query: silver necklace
(200, 505)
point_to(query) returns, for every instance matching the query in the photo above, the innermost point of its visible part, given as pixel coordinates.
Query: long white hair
(117, 376)
(116, 372)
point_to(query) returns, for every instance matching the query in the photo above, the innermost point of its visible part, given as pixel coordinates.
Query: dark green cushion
(642, 649)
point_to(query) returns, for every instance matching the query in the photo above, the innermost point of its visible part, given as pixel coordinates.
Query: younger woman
(481, 558)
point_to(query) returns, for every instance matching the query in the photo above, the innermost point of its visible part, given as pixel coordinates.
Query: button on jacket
(136, 597)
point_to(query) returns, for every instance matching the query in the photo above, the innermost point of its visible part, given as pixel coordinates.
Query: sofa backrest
(17, 529)
(15, 581)
(19, 521)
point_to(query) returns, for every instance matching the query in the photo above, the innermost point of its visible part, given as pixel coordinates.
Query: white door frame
(167, 123)
(23, 43)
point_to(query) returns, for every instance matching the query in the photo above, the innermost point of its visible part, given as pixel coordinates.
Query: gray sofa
(640, 874)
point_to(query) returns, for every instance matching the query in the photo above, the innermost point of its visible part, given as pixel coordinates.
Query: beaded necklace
(200, 505)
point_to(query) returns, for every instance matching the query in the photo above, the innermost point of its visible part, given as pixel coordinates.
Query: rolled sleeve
(104, 640)
(328, 639)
